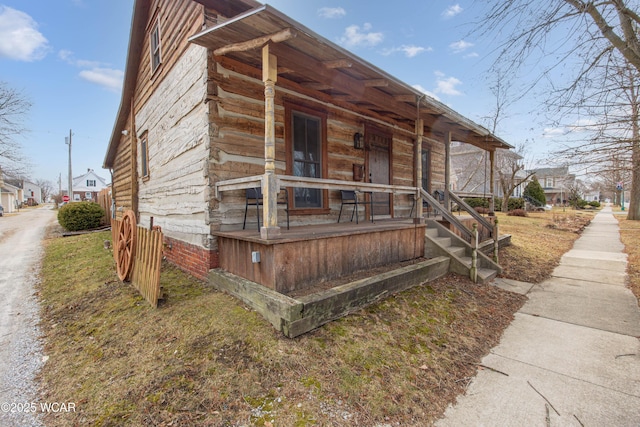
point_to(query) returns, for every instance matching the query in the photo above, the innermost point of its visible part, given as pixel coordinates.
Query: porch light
(357, 140)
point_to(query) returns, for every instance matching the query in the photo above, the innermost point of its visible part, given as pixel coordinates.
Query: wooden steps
(439, 241)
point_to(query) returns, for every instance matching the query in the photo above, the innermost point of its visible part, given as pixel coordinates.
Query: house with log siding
(226, 100)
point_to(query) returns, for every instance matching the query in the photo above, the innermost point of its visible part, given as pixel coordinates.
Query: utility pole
(68, 141)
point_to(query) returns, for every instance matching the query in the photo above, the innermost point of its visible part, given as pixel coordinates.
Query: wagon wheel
(126, 245)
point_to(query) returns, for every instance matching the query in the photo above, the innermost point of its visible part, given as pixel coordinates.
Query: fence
(147, 263)
(147, 259)
(104, 200)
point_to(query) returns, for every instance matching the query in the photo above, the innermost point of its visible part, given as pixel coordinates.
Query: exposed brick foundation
(193, 259)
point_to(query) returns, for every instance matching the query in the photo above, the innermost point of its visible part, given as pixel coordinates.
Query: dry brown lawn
(204, 359)
(630, 236)
(538, 241)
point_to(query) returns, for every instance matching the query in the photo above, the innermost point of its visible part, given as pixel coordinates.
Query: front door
(379, 169)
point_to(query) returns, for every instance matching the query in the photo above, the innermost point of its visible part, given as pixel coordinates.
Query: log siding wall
(237, 145)
(175, 120)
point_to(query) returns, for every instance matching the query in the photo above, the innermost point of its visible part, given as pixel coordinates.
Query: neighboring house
(87, 186)
(9, 197)
(223, 96)
(471, 171)
(556, 183)
(29, 194)
(32, 193)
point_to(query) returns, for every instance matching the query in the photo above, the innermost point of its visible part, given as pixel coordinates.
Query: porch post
(418, 165)
(447, 170)
(270, 227)
(492, 185)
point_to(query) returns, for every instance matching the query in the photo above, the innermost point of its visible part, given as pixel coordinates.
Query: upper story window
(549, 182)
(154, 44)
(91, 183)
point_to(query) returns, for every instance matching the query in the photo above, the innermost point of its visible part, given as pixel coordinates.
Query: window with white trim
(154, 44)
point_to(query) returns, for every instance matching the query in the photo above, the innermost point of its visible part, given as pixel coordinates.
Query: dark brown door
(379, 170)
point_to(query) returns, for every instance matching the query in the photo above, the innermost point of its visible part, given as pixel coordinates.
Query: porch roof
(311, 62)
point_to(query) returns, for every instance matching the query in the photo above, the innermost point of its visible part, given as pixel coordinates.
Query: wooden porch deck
(307, 255)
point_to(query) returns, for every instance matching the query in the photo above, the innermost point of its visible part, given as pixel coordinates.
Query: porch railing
(485, 225)
(335, 184)
(446, 214)
(304, 182)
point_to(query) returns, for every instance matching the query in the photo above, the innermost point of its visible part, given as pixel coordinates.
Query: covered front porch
(305, 256)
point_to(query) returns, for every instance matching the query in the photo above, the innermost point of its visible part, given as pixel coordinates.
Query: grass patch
(630, 235)
(538, 242)
(203, 358)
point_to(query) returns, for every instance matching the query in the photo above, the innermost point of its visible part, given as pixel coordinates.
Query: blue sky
(68, 56)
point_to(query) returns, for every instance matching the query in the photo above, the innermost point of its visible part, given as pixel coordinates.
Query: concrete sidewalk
(571, 357)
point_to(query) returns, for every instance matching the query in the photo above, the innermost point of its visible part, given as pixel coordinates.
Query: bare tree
(46, 188)
(580, 40)
(612, 101)
(511, 172)
(13, 109)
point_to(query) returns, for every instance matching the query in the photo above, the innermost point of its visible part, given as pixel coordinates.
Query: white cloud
(426, 92)
(106, 77)
(553, 132)
(95, 72)
(19, 36)
(356, 36)
(460, 46)
(68, 57)
(447, 85)
(452, 11)
(331, 12)
(409, 50)
(471, 55)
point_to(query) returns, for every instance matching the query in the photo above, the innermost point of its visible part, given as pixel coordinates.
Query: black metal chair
(349, 197)
(253, 197)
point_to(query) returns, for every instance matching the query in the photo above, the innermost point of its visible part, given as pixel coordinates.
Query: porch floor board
(314, 231)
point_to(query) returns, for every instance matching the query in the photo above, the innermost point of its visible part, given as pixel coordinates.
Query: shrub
(517, 212)
(594, 204)
(535, 191)
(477, 202)
(80, 216)
(481, 210)
(514, 203)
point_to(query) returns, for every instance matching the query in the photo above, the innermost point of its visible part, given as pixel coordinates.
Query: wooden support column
(418, 167)
(270, 227)
(447, 170)
(492, 185)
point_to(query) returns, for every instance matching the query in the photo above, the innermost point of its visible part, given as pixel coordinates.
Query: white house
(32, 193)
(87, 186)
(9, 197)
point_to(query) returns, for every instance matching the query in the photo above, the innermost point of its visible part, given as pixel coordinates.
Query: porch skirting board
(296, 316)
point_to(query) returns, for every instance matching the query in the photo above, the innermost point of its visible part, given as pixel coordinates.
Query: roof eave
(140, 12)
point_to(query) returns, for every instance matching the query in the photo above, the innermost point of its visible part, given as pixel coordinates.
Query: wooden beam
(405, 98)
(270, 227)
(258, 42)
(316, 85)
(315, 70)
(338, 63)
(378, 83)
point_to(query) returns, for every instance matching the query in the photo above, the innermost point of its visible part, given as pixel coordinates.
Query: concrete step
(432, 232)
(445, 242)
(486, 275)
(458, 251)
